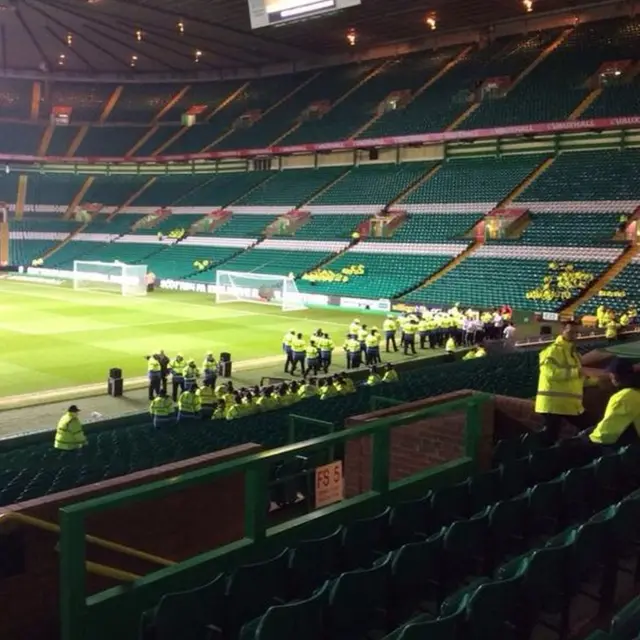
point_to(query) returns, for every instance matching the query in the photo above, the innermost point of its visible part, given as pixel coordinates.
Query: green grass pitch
(55, 337)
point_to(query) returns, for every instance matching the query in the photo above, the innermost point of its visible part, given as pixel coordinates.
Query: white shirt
(509, 332)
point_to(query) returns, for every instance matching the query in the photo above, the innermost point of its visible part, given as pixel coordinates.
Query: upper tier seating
(19, 137)
(171, 189)
(9, 186)
(291, 188)
(141, 102)
(114, 190)
(343, 120)
(329, 84)
(558, 85)
(372, 184)
(474, 180)
(224, 189)
(108, 140)
(586, 175)
(570, 229)
(329, 227)
(53, 188)
(61, 140)
(15, 99)
(488, 281)
(258, 95)
(616, 102)
(448, 97)
(87, 100)
(385, 274)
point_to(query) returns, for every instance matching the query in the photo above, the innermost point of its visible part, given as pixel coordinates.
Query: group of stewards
(224, 402)
(184, 373)
(560, 394)
(607, 320)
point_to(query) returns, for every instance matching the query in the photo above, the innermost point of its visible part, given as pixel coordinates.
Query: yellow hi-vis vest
(161, 407)
(207, 396)
(623, 412)
(560, 385)
(189, 402)
(69, 433)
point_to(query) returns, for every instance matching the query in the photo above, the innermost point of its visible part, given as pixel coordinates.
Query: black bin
(224, 365)
(115, 386)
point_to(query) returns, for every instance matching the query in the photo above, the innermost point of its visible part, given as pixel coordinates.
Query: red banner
(596, 124)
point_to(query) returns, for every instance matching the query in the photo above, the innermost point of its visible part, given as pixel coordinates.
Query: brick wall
(419, 445)
(175, 527)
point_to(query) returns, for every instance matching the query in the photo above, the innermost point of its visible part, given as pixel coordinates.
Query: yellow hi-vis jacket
(69, 434)
(623, 411)
(560, 385)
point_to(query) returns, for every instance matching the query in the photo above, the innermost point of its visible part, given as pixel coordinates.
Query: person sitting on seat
(344, 384)
(373, 378)
(390, 373)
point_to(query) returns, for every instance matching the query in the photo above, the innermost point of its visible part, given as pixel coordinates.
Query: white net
(128, 279)
(233, 286)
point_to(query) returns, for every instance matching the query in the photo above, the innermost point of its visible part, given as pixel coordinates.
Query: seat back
(363, 540)
(300, 619)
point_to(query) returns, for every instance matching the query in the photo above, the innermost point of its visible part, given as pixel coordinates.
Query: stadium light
(139, 35)
(431, 22)
(352, 37)
(180, 27)
(69, 39)
(197, 55)
(61, 59)
(134, 59)
(528, 5)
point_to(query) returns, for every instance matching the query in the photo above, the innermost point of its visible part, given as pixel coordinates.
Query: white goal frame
(129, 279)
(262, 288)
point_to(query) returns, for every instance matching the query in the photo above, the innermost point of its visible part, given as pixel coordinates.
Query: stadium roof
(112, 36)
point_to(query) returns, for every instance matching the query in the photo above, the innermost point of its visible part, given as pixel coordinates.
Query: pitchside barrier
(116, 612)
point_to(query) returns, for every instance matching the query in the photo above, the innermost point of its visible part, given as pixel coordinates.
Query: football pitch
(54, 337)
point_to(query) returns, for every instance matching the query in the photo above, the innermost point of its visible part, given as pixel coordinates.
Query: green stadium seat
(439, 629)
(357, 602)
(491, 608)
(103, 141)
(312, 562)
(507, 529)
(252, 588)
(298, 619)
(244, 225)
(410, 520)
(626, 623)
(364, 540)
(21, 137)
(114, 190)
(465, 550)
(330, 226)
(53, 188)
(570, 229)
(197, 614)
(483, 490)
(374, 185)
(449, 503)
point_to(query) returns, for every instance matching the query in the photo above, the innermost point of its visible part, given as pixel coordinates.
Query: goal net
(233, 286)
(128, 279)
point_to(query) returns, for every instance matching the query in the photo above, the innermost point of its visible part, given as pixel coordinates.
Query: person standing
(560, 385)
(210, 369)
(69, 432)
(161, 410)
(326, 351)
(154, 372)
(163, 359)
(177, 367)
(390, 326)
(299, 347)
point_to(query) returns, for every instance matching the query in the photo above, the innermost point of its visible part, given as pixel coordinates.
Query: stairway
(434, 78)
(586, 102)
(452, 264)
(519, 189)
(45, 141)
(21, 195)
(178, 134)
(602, 281)
(342, 98)
(132, 198)
(78, 198)
(65, 242)
(414, 185)
(282, 100)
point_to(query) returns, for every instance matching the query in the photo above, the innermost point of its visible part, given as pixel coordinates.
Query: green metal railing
(116, 612)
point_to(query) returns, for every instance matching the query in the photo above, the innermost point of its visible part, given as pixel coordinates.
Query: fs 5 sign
(329, 484)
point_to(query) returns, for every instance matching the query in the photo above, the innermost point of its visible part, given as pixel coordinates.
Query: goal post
(128, 279)
(281, 291)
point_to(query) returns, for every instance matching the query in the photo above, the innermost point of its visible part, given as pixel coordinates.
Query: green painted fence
(115, 613)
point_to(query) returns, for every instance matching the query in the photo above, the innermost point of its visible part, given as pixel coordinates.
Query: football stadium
(319, 320)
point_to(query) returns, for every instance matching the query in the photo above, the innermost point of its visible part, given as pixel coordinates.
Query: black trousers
(177, 387)
(391, 340)
(155, 386)
(410, 344)
(553, 423)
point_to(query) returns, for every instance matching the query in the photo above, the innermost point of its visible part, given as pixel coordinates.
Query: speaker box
(115, 385)
(545, 331)
(224, 366)
(373, 154)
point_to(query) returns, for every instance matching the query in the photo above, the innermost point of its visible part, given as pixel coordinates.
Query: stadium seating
(169, 190)
(434, 227)
(15, 100)
(244, 225)
(421, 568)
(328, 84)
(53, 188)
(291, 188)
(489, 281)
(619, 294)
(483, 180)
(586, 176)
(451, 95)
(19, 137)
(570, 229)
(140, 102)
(8, 186)
(616, 102)
(114, 190)
(375, 185)
(346, 117)
(558, 85)
(176, 262)
(256, 96)
(37, 470)
(329, 227)
(385, 274)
